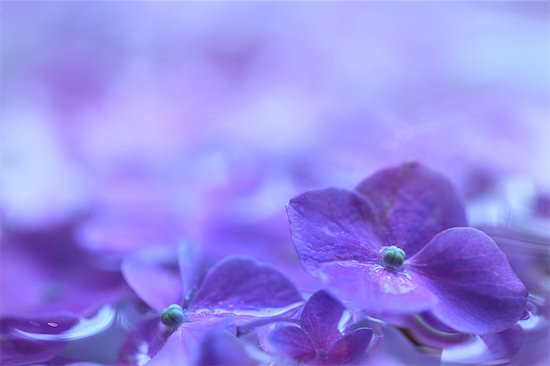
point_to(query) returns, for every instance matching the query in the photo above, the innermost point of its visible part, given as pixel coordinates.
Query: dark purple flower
(396, 244)
(318, 339)
(189, 306)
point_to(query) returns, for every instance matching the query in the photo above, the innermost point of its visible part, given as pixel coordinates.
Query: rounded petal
(156, 285)
(293, 342)
(244, 284)
(43, 272)
(477, 290)
(350, 347)
(377, 289)
(413, 204)
(320, 318)
(330, 225)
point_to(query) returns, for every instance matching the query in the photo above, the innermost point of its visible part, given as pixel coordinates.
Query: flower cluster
(393, 255)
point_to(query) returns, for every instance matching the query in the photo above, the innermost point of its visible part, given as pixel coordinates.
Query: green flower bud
(393, 257)
(173, 315)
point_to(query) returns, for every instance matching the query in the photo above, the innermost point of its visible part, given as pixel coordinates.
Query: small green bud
(393, 257)
(173, 315)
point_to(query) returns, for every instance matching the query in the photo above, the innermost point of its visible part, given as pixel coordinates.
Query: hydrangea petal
(320, 318)
(413, 204)
(293, 342)
(154, 284)
(221, 348)
(51, 274)
(332, 224)
(179, 349)
(477, 290)
(350, 347)
(376, 289)
(191, 262)
(242, 283)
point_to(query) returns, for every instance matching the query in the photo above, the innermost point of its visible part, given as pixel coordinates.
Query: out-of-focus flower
(47, 338)
(44, 272)
(393, 245)
(318, 338)
(432, 336)
(18, 348)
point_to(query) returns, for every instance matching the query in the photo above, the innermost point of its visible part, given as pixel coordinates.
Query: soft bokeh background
(192, 95)
(138, 124)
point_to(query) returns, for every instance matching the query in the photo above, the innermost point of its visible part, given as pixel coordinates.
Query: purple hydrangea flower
(397, 244)
(318, 339)
(188, 310)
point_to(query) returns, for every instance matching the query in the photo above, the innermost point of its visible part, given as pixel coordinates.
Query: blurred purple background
(134, 125)
(193, 97)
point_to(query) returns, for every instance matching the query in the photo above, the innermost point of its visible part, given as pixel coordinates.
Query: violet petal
(179, 349)
(320, 318)
(413, 204)
(377, 289)
(221, 348)
(154, 284)
(190, 263)
(330, 225)
(477, 290)
(350, 347)
(293, 342)
(242, 283)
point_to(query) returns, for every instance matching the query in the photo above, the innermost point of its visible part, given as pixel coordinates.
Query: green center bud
(393, 257)
(173, 315)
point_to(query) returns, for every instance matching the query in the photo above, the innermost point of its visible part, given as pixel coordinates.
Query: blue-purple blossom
(131, 127)
(318, 338)
(187, 309)
(454, 271)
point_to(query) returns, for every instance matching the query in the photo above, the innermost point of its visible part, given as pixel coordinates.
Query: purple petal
(350, 347)
(43, 272)
(156, 285)
(179, 349)
(241, 283)
(293, 342)
(191, 268)
(222, 348)
(331, 225)
(376, 289)
(183, 345)
(477, 290)
(413, 204)
(320, 318)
